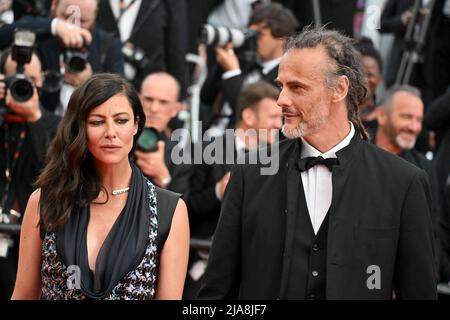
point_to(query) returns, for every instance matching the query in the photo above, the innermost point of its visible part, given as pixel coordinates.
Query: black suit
(391, 23)
(180, 174)
(161, 31)
(203, 204)
(437, 118)
(438, 51)
(29, 165)
(379, 215)
(422, 75)
(217, 91)
(104, 55)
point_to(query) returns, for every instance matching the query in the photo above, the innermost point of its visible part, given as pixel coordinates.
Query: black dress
(127, 263)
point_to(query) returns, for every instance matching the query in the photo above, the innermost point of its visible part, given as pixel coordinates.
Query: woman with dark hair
(97, 228)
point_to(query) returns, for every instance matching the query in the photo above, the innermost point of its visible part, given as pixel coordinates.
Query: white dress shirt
(125, 26)
(317, 181)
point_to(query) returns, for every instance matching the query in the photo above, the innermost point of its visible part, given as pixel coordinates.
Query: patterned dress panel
(137, 284)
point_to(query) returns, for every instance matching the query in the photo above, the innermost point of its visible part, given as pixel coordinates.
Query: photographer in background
(274, 24)
(154, 35)
(25, 133)
(31, 15)
(69, 67)
(160, 100)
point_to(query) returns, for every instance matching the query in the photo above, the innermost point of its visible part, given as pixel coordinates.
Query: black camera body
(243, 41)
(19, 84)
(76, 59)
(148, 140)
(136, 57)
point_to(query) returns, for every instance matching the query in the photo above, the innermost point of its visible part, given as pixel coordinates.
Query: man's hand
(226, 58)
(28, 109)
(71, 35)
(77, 79)
(2, 87)
(152, 164)
(222, 184)
(406, 17)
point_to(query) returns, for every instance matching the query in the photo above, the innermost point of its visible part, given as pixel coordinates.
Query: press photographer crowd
(225, 149)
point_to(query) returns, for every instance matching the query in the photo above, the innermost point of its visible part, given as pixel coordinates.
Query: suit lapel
(271, 76)
(294, 193)
(342, 218)
(147, 6)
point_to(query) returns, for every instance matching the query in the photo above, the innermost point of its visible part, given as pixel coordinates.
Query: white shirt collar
(309, 151)
(267, 66)
(239, 144)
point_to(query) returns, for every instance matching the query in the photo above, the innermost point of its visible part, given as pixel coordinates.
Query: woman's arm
(174, 257)
(28, 279)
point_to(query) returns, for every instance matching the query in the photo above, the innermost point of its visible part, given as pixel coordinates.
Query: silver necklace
(120, 191)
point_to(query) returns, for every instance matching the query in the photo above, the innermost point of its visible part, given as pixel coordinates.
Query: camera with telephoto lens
(136, 57)
(19, 84)
(148, 140)
(243, 41)
(76, 59)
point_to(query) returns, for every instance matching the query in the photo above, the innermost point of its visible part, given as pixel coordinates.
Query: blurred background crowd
(214, 61)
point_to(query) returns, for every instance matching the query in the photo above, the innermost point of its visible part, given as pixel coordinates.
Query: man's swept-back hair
(344, 61)
(280, 20)
(253, 93)
(70, 179)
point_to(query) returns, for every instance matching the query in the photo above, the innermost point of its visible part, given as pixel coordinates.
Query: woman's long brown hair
(70, 179)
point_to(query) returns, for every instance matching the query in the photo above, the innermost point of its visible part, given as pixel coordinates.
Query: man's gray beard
(402, 145)
(302, 129)
(293, 133)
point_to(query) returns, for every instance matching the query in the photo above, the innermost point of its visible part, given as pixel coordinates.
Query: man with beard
(341, 219)
(399, 124)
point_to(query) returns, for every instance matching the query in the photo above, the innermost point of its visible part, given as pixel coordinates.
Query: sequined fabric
(137, 284)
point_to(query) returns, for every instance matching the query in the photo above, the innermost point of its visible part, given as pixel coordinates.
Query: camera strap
(11, 159)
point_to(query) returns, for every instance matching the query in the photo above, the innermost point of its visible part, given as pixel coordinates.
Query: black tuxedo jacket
(180, 174)
(379, 215)
(203, 205)
(437, 118)
(161, 31)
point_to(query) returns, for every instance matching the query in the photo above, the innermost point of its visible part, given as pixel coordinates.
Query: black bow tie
(309, 162)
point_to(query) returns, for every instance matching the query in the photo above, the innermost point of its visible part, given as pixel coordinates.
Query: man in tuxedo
(103, 54)
(157, 28)
(274, 23)
(341, 219)
(159, 95)
(258, 123)
(400, 123)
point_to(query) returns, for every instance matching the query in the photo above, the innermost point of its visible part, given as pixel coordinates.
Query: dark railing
(13, 229)
(200, 244)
